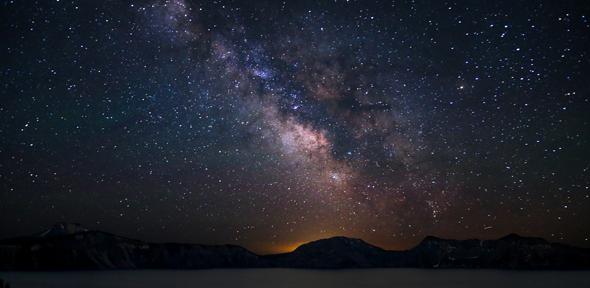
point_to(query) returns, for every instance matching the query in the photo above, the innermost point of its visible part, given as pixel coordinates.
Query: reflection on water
(406, 278)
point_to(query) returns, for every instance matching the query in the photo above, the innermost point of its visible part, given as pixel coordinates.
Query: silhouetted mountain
(510, 252)
(62, 228)
(336, 252)
(101, 250)
(70, 246)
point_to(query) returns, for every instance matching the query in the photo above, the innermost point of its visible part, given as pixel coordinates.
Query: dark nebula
(269, 123)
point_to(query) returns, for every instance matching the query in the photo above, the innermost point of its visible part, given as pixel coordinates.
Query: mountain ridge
(72, 247)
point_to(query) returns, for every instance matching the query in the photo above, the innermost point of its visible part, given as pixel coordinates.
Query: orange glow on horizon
(289, 247)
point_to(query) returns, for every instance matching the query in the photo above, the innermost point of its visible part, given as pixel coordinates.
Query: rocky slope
(83, 249)
(509, 252)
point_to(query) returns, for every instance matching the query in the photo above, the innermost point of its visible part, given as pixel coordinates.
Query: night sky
(268, 124)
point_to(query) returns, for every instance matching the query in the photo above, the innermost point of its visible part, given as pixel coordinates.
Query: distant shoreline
(60, 249)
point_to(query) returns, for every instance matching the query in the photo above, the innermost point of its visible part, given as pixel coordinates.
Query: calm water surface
(300, 278)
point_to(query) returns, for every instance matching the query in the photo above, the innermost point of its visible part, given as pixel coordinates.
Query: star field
(268, 123)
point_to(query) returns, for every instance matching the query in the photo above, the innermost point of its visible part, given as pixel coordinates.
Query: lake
(368, 278)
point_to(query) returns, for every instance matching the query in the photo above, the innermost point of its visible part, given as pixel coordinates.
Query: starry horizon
(267, 124)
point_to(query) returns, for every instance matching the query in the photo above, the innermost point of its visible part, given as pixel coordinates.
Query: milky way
(267, 124)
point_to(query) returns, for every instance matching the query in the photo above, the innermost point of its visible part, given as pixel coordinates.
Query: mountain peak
(512, 236)
(343, 239)
(335, 252)
(63, 228)
(431, 238)
(336, 243)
